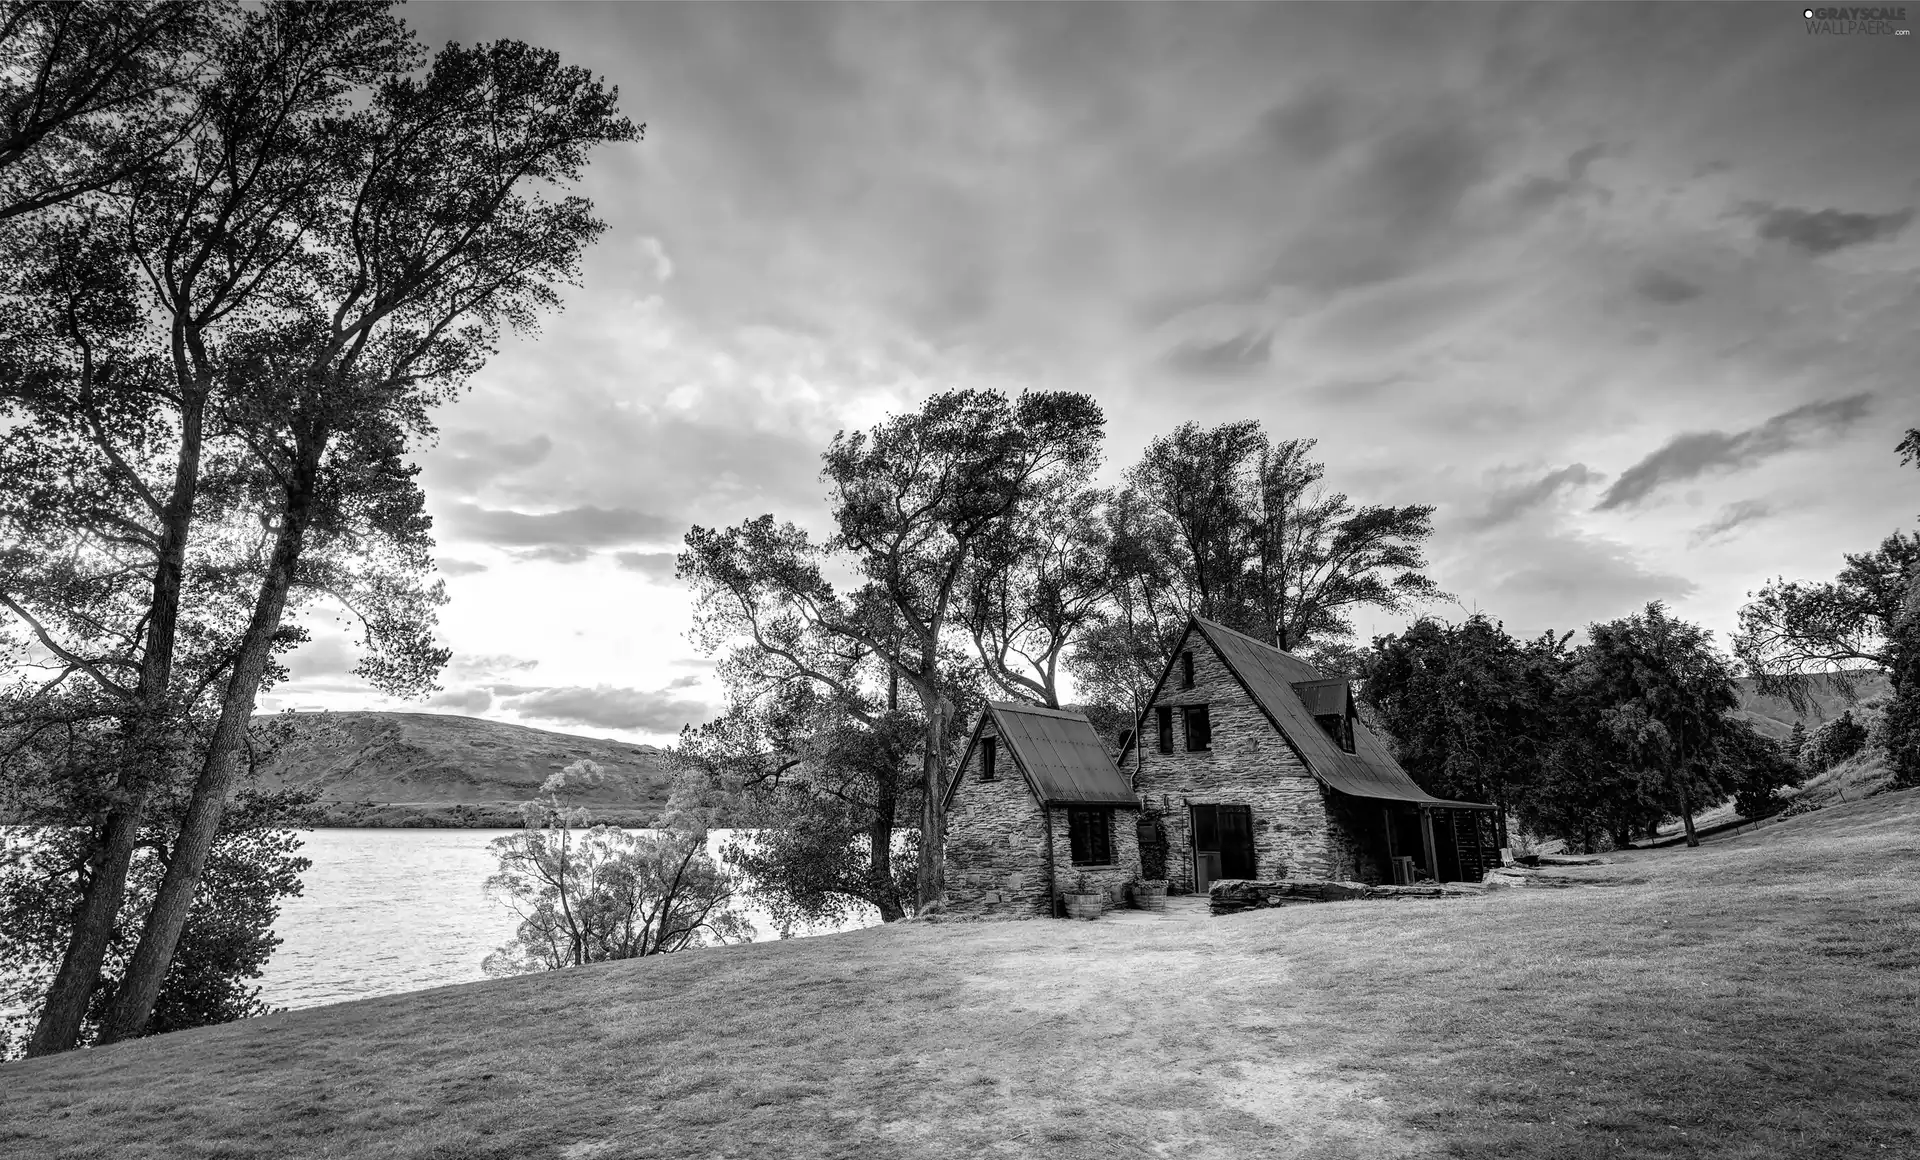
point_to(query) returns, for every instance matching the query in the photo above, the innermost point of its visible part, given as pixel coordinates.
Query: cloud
(1827, 230)
(1510, 502)
(1236, 355)
(1733, 516)
(652, 565)
(483, 666)
(466, 700)
(578, 527)
(1393, 210)
(1312, 124)
(1696, 453)
(687, 682)
(467, 460)
(324, 655)
(607, 707)
(1567, 581)
(452, 567)
(556, 554)
(1661, 286)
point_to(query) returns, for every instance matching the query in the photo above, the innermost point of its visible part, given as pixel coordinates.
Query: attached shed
(1251, 763)
(1036, 805)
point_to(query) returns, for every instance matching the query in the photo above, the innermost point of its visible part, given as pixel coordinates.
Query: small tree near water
(589, 893)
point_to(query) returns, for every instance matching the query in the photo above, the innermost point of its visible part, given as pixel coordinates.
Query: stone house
(1036, 807)
(1256, 765)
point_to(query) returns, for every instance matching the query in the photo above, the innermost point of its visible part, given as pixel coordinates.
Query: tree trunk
(132, 1006)
(73, 985)
(1686, 792)
(880, 869)
(933, 863)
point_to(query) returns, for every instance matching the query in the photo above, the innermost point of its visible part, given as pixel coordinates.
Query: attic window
(1199, 728)
(1186, 669)
(1339, 726)
(1330, 701)
(987, 747)
(1165, 720)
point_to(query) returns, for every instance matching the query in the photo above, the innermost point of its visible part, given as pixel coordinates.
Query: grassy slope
(1753, 998)
(423, 764)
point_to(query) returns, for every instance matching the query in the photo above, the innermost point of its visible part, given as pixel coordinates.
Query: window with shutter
(1199, 728)
(1165, 715)
(1090, 835)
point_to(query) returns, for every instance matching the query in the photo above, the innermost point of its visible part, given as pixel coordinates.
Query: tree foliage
(588, 893)
(239, 345)
(1791, 631)
(1226, 524)
(914, 502)
(1469, 708)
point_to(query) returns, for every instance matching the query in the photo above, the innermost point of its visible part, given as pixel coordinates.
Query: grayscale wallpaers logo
(1856, 21)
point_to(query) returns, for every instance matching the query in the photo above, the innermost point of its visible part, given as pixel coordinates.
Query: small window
(1199, 728)
(1126, 739)
(1165, 713)
(987, 747)
(1090, 834)
(1186, 669)
(1338, 728)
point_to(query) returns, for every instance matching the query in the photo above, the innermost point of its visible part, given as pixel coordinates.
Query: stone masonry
(998, 846)
(1111, 879)
(1296, 833)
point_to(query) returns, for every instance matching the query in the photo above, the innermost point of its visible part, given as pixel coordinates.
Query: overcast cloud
(1587, 277)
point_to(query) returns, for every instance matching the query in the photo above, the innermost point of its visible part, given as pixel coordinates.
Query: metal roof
(1062, 758)
(1273, 678)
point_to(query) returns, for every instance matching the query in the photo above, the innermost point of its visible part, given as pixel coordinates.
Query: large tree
(1467, 706)
(1665, 694)
(912, 502)
(820, 761)
(1261, 545)
(434, 233)
(1792, 631)
(328, 248)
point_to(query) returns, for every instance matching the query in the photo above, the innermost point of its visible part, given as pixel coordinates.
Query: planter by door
(1086, 906)
(1151, 896)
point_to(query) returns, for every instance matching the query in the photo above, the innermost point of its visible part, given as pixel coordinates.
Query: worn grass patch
(1757, 997)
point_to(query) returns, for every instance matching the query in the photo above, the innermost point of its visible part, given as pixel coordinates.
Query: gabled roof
(1062, 758)
(1271, 677)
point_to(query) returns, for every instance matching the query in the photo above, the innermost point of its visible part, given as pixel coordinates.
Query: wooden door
(1226, 833)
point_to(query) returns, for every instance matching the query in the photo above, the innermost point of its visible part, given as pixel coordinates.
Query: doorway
(1222, 844)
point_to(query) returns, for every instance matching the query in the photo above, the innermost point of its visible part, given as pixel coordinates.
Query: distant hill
(431, 769)
(1773, 717)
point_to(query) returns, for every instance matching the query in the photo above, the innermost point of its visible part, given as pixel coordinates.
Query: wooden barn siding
(996, 841)
(1296, 830)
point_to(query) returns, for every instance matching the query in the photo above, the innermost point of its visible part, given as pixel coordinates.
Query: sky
(1628, 293)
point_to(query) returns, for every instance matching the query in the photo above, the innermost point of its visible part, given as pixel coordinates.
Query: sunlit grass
(1753, 998)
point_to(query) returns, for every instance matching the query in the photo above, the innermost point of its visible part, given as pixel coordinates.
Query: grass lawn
(1756, 997)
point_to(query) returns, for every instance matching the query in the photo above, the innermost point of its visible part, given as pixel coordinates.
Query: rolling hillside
(1773, 717)
(401, 769)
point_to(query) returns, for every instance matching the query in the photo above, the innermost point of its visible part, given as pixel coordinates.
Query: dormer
(1330, 702)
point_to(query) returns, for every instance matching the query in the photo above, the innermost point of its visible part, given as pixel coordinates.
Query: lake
(398, 910)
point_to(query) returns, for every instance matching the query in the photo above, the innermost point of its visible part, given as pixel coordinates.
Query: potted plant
(1149, 893)
(1084, 898)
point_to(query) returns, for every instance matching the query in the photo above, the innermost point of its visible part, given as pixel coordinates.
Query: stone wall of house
(1296, 833)
(997, 837)
(1110, 879)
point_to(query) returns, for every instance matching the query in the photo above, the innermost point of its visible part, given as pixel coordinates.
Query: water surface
(396, 910)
